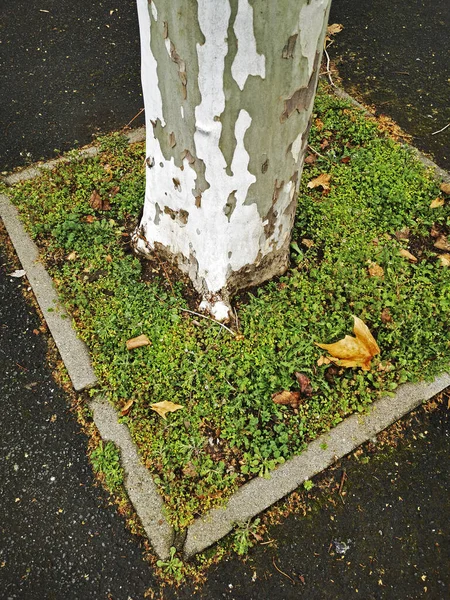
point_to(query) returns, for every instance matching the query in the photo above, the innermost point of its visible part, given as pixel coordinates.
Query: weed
(308, 485)
(245, 536)
(105, 460)
(172, 568)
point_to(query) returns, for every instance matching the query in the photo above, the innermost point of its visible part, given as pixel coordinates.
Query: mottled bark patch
(230, 205)
(302, 98)
(288, 50)
(177, 60)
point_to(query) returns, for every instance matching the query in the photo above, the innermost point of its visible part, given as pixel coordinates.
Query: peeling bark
(221, 186)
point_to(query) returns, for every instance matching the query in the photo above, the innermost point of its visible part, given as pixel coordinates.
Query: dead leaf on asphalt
(17, 273)
(127, 407)
(408, 255)
(445, 187)
(287, 398)
(445, 260)
(321, 181)
(437, 202)
(164, 407)
(442, 243)
(354, 351)
(334, 28)
(137, 342)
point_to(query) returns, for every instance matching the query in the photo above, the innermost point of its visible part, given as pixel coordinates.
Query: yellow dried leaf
(445, 260)
(407, 255)
(321, 181)
(437, 202)
(334, 28)
(137, 342)
(375, 270)
(355, 351)
(442, 243)
(164, 407)
(127, 407)
(445, 187)
(323, 360)
(72, 256)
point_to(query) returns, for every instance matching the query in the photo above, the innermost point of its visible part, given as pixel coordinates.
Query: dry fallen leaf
(321, 181)
(437, 202)
(408, 255)
(72, 256)
(323, 360)
(287, 398)
(305, 384)
(386, 316)
(334, 28)
(445, 187)
(403, 234)
(127, 407)
(307, 243)
(445, 260)
(442, 243)
(97, 203)
(354, 351)
(164, 407)
(310, 159)
(375, 270)
(17, 273)
(137, 342)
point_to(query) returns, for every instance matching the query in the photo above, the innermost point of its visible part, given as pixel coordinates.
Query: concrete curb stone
(73, 351)
(140, 487)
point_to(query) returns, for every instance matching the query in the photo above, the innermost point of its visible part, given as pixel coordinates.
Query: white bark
(227, 115)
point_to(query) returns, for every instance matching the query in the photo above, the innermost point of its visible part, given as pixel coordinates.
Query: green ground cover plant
(346, 260)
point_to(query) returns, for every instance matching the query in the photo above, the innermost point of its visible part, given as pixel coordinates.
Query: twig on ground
(209, 318)
(318, 153)
(328, 71)
(443, 129)
(135, 117)
(341, 485)
(280, 571)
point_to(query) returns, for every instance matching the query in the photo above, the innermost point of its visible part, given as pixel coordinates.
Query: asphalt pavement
(70, 71)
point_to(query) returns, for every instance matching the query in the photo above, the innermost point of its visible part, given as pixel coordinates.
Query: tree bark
(228, 91)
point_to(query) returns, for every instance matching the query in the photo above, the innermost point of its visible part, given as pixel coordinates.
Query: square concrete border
(256, 495)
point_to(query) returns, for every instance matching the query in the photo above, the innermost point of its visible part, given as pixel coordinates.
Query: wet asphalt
(74, 71)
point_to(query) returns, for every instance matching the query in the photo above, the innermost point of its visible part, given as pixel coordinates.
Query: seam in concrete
(258, 494)
(73, 351)
(133, 136)
(139, 484)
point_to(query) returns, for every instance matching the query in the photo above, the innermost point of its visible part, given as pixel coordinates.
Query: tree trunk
(228, 91)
